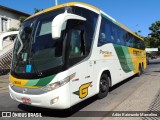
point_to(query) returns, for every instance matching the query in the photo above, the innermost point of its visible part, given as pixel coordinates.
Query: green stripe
(40, 82)
(31, 82)
(45, 81)
(124, 58)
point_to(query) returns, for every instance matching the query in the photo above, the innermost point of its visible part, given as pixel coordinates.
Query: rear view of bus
(47, 48)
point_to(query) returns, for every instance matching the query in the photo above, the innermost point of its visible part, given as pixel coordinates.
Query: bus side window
(110, 29)
(120, 36)
(129, 39)
(102, 35)
(108, 32)
(113, 33)
(77, 48)
(142, 45)
(75, 44)
(102, 39)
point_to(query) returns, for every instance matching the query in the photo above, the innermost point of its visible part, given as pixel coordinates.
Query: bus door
(80, 81)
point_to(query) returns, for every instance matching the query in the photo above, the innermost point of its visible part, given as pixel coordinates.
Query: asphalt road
(133, 94)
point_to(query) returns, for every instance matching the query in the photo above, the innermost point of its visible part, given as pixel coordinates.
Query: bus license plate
(26, 100)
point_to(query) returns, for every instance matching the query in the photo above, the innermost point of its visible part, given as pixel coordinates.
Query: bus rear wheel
(103, 86)
(140, 71)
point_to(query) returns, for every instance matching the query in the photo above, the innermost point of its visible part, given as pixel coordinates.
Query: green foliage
(22, 19)
(138, 33)
(12, 29)
(37, 10)
(147, 42)
(155, 36)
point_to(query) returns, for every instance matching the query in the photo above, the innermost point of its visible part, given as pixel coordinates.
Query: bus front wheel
(103, 86)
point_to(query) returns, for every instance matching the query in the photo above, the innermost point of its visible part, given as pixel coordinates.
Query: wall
(12, 19)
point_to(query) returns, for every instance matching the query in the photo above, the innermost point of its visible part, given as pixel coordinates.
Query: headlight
(58, 84)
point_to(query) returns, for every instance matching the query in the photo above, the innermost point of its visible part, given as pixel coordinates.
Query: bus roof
(65, 5)
(92, 8)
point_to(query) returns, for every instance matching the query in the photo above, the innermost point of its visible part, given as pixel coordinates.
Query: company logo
(105, 53)
(137, 53)
(17, 82)
(24, 90)
(83, 90)
(6, 114)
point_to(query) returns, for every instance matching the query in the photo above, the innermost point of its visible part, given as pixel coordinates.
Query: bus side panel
(138, 57)
(106, 59)
(82, 85)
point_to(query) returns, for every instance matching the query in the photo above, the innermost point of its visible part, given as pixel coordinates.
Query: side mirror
(6, 34)
(60, 21)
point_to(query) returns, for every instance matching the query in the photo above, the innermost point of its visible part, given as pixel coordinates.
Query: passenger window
(108, 32)
(129, 39)
(138, 43)
(102, 35)
(120, 36)
(102, 39)
(134, 42)
(113, 33)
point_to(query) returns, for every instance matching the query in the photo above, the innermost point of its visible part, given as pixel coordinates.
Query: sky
(134, 14)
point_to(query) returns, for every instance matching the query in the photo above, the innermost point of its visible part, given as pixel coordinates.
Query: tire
(103, 86)
(140, 71)
(142, 68)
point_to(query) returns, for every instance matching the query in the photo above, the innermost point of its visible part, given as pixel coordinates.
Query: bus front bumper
(55, 99)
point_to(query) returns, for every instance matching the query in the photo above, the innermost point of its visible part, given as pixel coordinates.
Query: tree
(138, 33)
(155, 36)
(37, 10)
(147, 42)
(146, 39)
(22, 19)
(12, 29)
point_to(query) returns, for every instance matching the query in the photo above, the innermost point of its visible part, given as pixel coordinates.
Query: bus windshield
(34, 49)
(36, 54)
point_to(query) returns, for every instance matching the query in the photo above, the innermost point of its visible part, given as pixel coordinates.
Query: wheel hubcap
(103, 85)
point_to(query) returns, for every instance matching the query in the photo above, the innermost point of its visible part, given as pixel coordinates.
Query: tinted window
(112, 33)
(107, 32)
(89, 25)
(76, 44)
(104, 33)
(120, 36)
(77, 49)
(129, 39)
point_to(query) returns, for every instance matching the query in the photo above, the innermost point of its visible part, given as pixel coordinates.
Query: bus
(70, 52)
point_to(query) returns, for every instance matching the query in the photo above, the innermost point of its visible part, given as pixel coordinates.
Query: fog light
(54, 100)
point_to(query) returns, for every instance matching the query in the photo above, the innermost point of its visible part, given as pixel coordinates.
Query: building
(9, 18)
(149, 50)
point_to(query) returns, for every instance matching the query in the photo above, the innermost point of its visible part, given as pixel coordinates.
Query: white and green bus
(68, 53)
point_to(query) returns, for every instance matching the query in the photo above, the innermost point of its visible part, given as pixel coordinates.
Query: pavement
(134, 94)
(4, 81)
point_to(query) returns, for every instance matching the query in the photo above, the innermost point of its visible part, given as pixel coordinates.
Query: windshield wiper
(21, 47)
